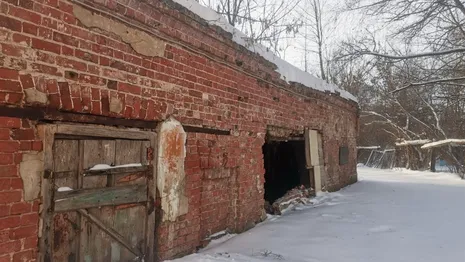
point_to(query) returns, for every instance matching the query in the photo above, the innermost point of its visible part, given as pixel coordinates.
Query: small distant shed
(451, 150)
(410, 155)
(446, 142)
(364, 153)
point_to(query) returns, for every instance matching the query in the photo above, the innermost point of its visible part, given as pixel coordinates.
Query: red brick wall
(18, 219)
(225, 190)
(50, 59)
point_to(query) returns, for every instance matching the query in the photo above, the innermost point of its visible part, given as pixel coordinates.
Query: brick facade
(52, 59)
(18, 218)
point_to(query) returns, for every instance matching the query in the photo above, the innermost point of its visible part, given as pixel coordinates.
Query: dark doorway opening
(285, 167)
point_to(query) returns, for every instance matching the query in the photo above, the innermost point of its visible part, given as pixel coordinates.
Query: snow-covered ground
(389, 215)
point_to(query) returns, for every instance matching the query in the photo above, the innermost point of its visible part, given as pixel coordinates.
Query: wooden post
(366, 164)
(312, 146)
(433, 160)
(308, 158)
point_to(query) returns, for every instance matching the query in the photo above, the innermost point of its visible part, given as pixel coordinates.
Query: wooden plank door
(314, 158)
(98, 212)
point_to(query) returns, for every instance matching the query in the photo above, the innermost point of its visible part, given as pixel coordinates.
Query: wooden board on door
(97, 215)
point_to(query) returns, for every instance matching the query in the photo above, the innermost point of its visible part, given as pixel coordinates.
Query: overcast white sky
(338, 25)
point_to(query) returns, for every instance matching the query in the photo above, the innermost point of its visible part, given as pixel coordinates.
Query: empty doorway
(285, 167)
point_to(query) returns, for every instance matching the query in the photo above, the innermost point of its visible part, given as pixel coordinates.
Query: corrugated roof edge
(288, 72)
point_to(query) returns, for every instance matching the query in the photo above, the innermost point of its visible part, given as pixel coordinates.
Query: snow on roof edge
(443, 142)
(413, 142)
(369, 147)
(288, 72)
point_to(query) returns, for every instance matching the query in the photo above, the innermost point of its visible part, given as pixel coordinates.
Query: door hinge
(48, 174)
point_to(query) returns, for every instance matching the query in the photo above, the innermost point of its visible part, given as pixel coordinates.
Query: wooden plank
(65, 241)
(86, 198)
(320, 149)
(116, 171)
(150, 206)
(322, 161)
(66, 156)
(314, 154)
(96, 152)
(114, 234)
(308, 158)
(95, 244)
(100, 131)
(128, 152)
(45, 237)
(145, 148)
(315, 159)
(130, 222)
(80, 185)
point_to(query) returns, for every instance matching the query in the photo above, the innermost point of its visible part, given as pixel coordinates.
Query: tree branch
(460, 6)
(435, 53)
(427, 83)
(436, 117)
(390, 122)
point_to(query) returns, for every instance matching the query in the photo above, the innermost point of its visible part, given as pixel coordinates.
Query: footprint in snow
(331, 216)
(382, 229)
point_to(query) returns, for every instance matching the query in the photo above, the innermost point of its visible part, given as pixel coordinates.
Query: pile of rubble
(298, 195)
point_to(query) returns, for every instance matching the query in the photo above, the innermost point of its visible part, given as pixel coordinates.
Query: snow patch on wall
(288, 72)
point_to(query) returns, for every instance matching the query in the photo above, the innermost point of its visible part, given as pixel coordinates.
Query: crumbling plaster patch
(116, 106)
(31, 169)
(140, 41)
(34, 96)
(170, 167)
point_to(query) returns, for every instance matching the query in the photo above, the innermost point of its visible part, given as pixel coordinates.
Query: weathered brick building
(189, 120)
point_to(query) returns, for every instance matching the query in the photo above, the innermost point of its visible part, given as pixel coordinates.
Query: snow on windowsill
(64, 189)
(287, 71)
(413, 142)
(369, 147)
(105, 166)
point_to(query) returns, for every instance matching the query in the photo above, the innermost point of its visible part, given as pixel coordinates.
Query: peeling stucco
(170, 175)
(31, 169)
(140, 41)
(169, 87)
(34, 96)
(116, 106)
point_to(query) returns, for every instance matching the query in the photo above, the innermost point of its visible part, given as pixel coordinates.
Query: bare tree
(434, 28)
(267, 22)
(417, 79)
(313, 33)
